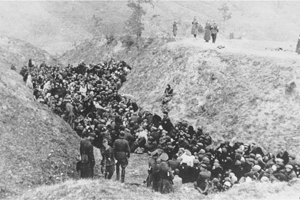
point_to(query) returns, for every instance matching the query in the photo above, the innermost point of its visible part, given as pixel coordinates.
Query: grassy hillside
(18, 52)
(57, 26)
(231, 92)
(37, 147)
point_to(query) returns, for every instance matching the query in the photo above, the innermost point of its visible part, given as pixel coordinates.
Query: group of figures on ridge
(210, 31)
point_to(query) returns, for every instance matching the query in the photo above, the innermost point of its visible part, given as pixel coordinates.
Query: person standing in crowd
(202, 182)
(87, 157)
(207, 32)
(298, 46)
(195, 27)
(166, 176)
(108, 161)
(175, 28)
(214, 31)
(121, 153)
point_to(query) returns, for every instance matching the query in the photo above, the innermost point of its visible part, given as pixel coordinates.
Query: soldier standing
(108, 161)
(87, 157)
(121, 153)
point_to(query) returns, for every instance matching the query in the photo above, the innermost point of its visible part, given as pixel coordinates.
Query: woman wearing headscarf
(207, 32)
(195, 27)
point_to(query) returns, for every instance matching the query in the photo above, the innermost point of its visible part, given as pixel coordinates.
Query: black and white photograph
(149, 100)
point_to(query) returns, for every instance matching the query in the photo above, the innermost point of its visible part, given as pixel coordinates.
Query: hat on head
(227, 183)
(227, 179)
(289, 167)
(202, 151)
(256, 168)
(238, 163)
(122, 134)
(204, 166)
(164, 157)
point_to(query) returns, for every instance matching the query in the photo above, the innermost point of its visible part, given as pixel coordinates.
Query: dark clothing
(207, 32)
(175, 28)
(174, 164)
(108, 157)
(166, 124)
(214, 37)
(166, 176)
(122, 153)
(298, 47)
(285, 156)
(87, 167)
(214, 32)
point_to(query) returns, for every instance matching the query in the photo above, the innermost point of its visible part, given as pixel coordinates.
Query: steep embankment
(37, 147)
(17, 52)
(230, 92)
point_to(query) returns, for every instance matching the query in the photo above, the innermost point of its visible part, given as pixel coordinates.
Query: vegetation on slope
(17, 52)
(230, 94)
(37, 147)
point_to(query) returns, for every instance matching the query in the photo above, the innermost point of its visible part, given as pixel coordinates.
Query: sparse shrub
(109, 38)
(148, 42)
(290, 87)
(128, 41)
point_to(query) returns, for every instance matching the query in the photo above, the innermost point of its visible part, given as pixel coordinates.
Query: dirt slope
(36, 146)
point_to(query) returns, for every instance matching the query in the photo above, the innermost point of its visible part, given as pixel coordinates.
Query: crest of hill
(37, 147)
(57, 26)
(17, 52)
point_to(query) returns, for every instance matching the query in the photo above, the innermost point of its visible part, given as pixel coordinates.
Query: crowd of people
(210, 31)
(87, 97)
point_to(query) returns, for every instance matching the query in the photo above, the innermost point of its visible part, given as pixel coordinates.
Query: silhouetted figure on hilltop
(175, 28)
(214, 31)
(195, 27)
(298, 46)
(207, 32)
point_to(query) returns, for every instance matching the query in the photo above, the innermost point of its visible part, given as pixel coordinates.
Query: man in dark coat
(166, 176)
(108, 161)
(122, 153)
(166, 122)
(214, 32)
(87, 157)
